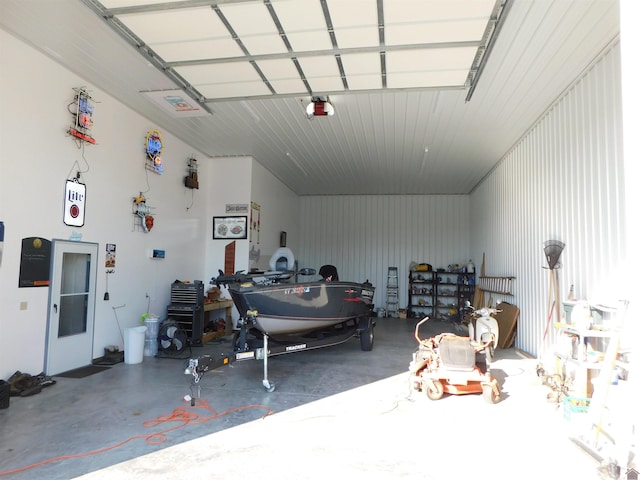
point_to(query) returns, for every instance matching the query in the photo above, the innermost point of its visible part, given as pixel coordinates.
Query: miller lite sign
(75, 196)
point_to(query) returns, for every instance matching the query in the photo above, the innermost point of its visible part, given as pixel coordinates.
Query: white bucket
(134, 344)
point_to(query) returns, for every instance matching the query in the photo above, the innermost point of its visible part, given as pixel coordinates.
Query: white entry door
(72, 295)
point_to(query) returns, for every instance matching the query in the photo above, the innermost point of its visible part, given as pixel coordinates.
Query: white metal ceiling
(402, 125)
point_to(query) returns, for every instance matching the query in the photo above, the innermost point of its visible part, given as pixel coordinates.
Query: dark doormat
(83, 371)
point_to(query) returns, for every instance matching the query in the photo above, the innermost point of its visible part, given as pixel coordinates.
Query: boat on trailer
(279, 315)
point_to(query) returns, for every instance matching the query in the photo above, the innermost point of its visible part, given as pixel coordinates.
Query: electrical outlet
(23, 305)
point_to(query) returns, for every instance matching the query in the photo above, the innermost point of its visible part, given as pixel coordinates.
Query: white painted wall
(37, 156)
(279, 211)
(229, 183)
(563, 181)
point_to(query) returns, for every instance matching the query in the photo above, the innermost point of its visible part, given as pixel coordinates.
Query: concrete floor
(335, 411)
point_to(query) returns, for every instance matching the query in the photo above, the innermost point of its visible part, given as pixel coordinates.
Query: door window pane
(74, 293)
(75, 273)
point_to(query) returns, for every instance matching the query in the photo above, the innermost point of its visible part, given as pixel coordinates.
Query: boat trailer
(246, 348)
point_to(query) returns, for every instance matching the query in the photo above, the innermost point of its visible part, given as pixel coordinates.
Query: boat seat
(282, 260)
(329, 273)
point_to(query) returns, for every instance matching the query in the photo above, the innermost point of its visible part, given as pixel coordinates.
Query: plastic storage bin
(134, 344)
(151, 337)
(150, 347)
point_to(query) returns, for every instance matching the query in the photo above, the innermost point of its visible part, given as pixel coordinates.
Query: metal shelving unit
(392, 292)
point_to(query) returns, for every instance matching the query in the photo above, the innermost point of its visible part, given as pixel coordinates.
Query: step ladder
(392, 292)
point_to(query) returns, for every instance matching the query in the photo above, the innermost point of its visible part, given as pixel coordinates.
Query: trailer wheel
(434, 389)
(489, 394)
(366, 336)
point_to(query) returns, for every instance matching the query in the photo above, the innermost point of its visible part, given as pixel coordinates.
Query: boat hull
(303, 307)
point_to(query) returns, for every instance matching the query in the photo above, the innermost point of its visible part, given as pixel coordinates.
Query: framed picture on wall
(225, 228)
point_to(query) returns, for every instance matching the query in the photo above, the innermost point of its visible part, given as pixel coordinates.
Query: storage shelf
(447, 291)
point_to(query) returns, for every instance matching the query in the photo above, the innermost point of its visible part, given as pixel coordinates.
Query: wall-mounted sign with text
(75, 197)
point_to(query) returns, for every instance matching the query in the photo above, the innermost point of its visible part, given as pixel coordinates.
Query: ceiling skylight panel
(263, 44)
(357, 37)
(435, 79)
(361, 63)
(254, 26)
(417, 11)
(430, 59)
(169, 26)
(234, 90)
(362, 70)
(325, 84)
(282, 75)
(198, 50)
(353, 13)
(322, 73)
(364, 82)
(435, 32)
(288, 86)
(355, 23)
(319, 66)
(278, 68)
(217, 73)
(303, 23)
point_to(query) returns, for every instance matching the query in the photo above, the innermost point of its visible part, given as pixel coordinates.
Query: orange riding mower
(448, 363)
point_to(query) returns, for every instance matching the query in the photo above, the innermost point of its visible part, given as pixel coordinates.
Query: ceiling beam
(159, 7)
(320, 53)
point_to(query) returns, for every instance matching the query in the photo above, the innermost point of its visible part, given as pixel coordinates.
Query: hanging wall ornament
(143, 213)
(154, 146)
(191, 180)
(82, 110)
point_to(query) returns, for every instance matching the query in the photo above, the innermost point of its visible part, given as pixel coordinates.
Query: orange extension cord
(183, 415)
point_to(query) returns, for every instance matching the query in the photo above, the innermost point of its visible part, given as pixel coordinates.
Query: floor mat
(110, 359)
(83, 371)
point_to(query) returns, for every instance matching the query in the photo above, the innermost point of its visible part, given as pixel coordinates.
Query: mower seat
(457, 353)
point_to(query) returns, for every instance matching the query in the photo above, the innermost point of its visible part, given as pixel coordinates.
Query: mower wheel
(489, 394)
(434, 389)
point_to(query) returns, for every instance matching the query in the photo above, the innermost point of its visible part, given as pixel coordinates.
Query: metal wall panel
(365, 235)
(562, 181)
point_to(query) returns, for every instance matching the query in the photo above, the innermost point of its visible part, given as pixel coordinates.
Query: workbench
(214, 306)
